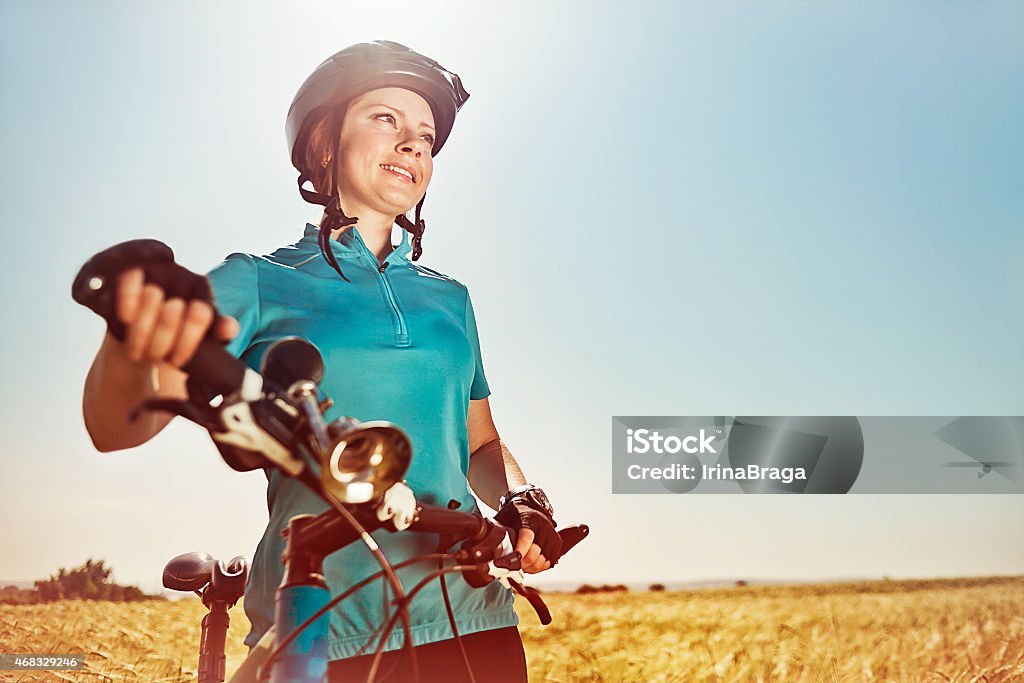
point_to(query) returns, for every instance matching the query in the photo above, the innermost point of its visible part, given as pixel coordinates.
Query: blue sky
(663, 209)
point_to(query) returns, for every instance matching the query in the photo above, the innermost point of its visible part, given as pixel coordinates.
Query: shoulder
(254, 268)
(237, 275)
(236, 267)
(441, 288)
(443, 279)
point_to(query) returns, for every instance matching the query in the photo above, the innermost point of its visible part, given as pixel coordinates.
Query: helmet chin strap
(416, 228)
(335, 218)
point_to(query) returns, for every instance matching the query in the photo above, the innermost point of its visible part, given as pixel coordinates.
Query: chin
(395, 205)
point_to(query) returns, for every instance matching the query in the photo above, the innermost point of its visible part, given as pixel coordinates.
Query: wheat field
(963, 630)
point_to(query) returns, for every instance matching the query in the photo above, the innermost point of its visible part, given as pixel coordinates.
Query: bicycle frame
(303, 591)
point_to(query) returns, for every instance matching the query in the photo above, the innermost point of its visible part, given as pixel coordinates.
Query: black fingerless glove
(95, 287)
(519, 515)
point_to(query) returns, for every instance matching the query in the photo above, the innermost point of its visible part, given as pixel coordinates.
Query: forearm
(114, 387)
(493, 471)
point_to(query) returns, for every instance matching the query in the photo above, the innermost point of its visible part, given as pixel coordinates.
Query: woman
(399, 343)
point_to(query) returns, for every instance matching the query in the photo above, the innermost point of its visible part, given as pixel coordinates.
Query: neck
(375, 229)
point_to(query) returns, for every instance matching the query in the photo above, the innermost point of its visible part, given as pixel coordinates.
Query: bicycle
(274, 418)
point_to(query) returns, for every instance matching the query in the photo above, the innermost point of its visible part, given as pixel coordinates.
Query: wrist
(530, 495)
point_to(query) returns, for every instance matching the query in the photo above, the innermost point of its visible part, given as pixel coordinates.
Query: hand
(536, 538)
(164, 330)
(159, 310)
(533, 557)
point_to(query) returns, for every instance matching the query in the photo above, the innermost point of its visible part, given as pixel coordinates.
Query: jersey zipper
(401, 331)
(398, 318)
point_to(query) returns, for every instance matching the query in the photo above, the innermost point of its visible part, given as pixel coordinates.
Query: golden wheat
(959, 631)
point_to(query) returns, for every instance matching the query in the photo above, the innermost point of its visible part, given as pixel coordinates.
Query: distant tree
(90, 581)
(656, 587)
(12, 595)
(606, 588)
(741, 584)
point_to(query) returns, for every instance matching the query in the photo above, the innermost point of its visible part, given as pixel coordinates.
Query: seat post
(212, 661)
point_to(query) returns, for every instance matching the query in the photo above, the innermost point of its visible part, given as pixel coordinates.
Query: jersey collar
(350, 245)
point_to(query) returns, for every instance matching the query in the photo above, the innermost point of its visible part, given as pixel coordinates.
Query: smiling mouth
(398, 170)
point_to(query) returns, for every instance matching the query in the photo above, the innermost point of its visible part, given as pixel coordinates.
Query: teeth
(397, 169)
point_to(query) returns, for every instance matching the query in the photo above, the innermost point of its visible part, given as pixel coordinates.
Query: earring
(323, 164)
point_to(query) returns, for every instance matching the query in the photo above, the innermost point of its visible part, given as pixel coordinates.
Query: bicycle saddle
(210, 577)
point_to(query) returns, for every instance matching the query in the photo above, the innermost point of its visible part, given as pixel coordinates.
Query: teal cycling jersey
(399, 343)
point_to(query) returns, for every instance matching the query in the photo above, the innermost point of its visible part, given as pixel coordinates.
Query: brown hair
(320, 144)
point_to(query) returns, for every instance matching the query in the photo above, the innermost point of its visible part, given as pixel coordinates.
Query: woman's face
(384, 152)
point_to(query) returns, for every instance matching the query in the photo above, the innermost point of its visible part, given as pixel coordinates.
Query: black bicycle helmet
(347, 74)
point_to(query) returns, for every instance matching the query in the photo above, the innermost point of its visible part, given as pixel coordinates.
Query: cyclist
(399, 343)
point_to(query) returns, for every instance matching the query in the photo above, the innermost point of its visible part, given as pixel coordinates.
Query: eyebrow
(423, 124)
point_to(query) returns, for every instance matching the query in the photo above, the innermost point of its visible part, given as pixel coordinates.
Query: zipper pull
(383, 267)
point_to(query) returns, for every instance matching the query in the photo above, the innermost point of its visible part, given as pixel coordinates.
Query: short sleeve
(480, 388)
(235, 284)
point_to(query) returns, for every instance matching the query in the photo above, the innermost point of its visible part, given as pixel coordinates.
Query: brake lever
(498, 537)
(535, 600)
(204, 416)
(570, 535)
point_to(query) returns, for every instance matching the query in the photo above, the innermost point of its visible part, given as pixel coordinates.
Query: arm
(115, 386)
(493, 471)
(160, 337)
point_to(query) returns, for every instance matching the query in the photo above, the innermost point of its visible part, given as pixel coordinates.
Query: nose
(413, 144)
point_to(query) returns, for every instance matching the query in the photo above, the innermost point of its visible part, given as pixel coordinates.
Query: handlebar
(484, 541)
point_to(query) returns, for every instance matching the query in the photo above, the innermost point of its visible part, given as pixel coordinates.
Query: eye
(386, 117)
(430, 139)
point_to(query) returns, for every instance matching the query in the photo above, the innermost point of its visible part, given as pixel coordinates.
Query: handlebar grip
(95, 286)
(571, 535)
(213, 366)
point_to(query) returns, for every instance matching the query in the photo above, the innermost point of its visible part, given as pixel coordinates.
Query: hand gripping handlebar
(95, 287)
